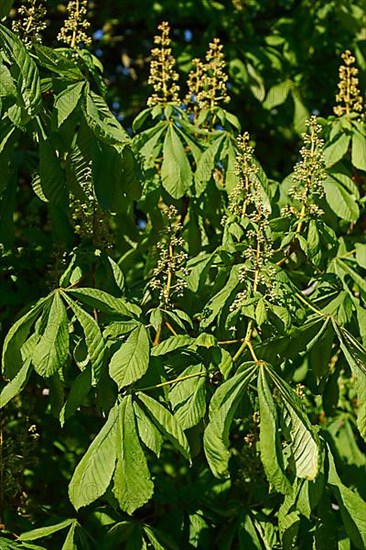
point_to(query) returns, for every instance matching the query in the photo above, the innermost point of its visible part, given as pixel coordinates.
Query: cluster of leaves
(202, 324)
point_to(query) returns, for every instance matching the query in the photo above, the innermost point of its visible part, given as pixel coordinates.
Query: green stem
(310, 306)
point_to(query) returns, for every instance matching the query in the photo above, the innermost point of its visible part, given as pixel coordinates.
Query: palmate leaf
(336, 150)
(270, 444)
(355, 355)
(70, 542)
(94, 472)
(93, 337)
(207, 164)
(16, 385)
(133, 486)
(24, 70)
(131, 361)
(304, 445)
(352, 506)
(67, 101)
(12, 360)
(166, 423)
(223, 406)
(176, 173)
(359, 150)
(148, 432)
(105, 302)
(188, 397)
(172, 343)
(215, 305)
(341, 200)
(105, 126)
(56, 61)
(78, 393)
(52, 349)
(51, 175)
(41, 532)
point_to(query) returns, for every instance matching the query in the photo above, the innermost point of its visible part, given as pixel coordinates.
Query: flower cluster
(207, 81)
(247, 206)
(170, 273)
(349, 96)
(246, 190)
(89, 220)
(163, 76)
(309, 175)
(31, 22)
(74, 30)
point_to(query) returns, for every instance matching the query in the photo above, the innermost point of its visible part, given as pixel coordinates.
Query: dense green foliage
(183, 327)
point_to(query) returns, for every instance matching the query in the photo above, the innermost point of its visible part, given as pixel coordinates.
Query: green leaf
(7, 84)
(67, 101)
(51, 176)
(105, 126)
(352, 506)
(171, 344)
(166, 423)
(270, 444)
(359, 150)
(57, 62)
(340, 200)
(41, 532)
(188, 397)
(207, 164)
(336, 150)
(78, 393)
(301, 113)
(24, 70)
(176, 172)
(288, 522)
(12, 360)
(133, 486)
(260, 312)
(205, 340)
(93, 337)
(70, 543)
(304, 444)
(277, 94)
(52, 350)
(105, 302)
(355, 355)
(94, 472)
(131, 361)
(148, 432)
(342, 268)
(16, 385)
(222, 409)
(216, 303)
(118, 275)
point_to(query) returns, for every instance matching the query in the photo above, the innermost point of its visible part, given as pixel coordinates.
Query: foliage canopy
(183, 349)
